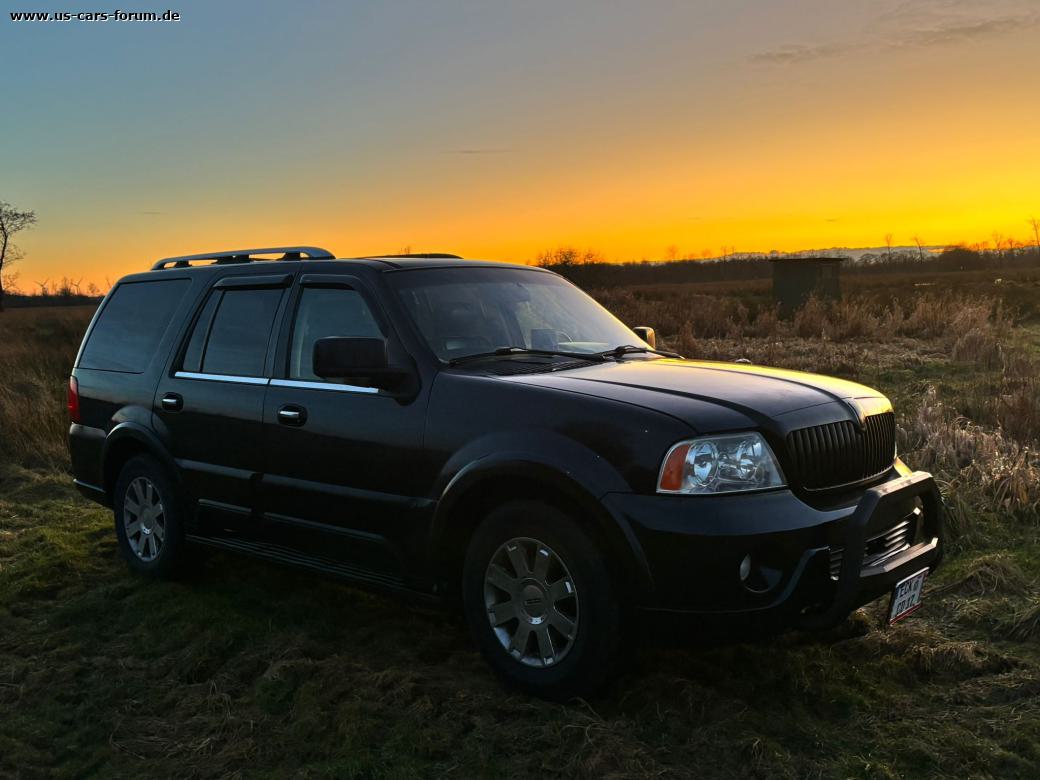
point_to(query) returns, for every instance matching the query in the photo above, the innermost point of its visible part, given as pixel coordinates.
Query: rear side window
(232, 332)
(132, 324)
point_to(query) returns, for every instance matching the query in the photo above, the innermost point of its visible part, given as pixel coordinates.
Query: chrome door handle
(292, 415)
(172, 402)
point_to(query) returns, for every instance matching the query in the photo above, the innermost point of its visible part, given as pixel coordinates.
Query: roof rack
(418, 256)
(246, 256)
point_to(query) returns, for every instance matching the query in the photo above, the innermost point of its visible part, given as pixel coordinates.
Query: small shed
(795, 279)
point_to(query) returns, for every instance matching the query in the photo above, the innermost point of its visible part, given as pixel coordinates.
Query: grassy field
(246, 670)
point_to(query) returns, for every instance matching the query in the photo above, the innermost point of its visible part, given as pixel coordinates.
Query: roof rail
(419, 256)
(246, 256)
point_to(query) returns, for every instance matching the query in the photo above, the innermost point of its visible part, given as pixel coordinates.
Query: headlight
(720, 464)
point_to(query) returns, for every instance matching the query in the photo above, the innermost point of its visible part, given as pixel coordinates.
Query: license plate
(906, 596)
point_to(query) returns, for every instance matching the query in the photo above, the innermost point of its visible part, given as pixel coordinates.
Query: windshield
(471, 311)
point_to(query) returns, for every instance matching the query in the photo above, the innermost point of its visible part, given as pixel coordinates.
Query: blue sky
(498, 129)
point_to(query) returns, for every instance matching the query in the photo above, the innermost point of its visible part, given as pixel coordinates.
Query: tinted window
(466, 311)
(327, 312)
(132, 324)
(197, 343)
(238, 336)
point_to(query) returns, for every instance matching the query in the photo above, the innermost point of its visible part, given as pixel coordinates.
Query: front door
(341, 479)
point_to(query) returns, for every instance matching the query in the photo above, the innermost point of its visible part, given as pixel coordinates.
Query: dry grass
(37, 350)
(246, 670)
(683, 317)
(984, 473)
(1025, 624)
(993, 573)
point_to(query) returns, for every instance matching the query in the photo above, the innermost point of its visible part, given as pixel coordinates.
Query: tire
(538, 634)
(149, 518)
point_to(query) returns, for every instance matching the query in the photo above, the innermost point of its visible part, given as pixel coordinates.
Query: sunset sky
(498, 130)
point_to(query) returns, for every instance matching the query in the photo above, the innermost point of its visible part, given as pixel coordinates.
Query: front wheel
(540, 601)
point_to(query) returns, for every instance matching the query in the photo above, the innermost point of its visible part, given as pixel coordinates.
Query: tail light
(73, 399)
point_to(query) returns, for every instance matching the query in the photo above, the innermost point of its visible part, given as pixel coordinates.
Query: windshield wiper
(507, 351)
(632, 349)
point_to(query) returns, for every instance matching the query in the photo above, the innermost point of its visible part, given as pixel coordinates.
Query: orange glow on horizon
(738, 137)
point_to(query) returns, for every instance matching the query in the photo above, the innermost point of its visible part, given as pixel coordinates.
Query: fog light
(745, 568)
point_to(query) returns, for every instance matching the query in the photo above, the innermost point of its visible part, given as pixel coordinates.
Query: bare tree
(11, 221)
(998, 243)
(9, 281)
(920, 249)
(1035, 224)
(568, 255)
(888, 246)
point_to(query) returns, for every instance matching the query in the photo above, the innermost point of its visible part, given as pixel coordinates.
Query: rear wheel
(541, 603)
(148, 517)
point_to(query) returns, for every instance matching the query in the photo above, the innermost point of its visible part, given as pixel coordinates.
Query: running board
(291, 557)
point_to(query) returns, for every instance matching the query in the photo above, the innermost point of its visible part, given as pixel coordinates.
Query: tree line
(589, 269)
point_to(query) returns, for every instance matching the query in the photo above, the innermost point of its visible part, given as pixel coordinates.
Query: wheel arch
(128, 440)
(482, 486)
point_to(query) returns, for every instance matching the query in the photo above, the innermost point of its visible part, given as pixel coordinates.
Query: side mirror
(344, 357)
(646, 333)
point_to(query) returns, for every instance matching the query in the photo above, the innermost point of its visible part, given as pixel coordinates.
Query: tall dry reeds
(984, 472)
(37, 349)
(678, 314)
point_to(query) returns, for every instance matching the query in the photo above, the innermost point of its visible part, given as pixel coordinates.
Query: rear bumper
(86, 451)
(810, 567)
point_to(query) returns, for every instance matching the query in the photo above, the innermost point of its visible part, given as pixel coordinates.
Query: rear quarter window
(131, 325)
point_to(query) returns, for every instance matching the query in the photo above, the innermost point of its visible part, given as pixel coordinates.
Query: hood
(738, 393)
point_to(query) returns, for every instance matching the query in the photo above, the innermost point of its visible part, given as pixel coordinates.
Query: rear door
(210, 404)
(342, 460)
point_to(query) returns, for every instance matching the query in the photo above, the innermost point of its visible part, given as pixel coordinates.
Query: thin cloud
(910, 26)
(964, 31)
(918, 11)
(479, 150)
(794, 53)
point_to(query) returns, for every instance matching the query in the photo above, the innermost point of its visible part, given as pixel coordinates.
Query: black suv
(486, 435)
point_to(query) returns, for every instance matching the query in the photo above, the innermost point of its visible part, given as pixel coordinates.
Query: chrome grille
(835, 562)
(884, 546)
(880, 548)
(837, 454)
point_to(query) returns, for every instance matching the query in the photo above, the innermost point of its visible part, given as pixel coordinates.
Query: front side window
(232, 332)
(327, 311)
(132, 324)
(468, 311)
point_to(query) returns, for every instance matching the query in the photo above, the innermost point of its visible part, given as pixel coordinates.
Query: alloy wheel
(144, 519)
(532, 602)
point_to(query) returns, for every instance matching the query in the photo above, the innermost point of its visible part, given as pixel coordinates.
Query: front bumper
(810, 566)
